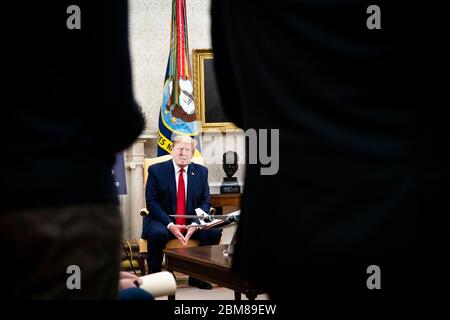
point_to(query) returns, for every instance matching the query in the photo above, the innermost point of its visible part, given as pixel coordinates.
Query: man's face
(182, 153)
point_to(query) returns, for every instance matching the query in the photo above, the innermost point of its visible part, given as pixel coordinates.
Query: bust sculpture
(230, 166)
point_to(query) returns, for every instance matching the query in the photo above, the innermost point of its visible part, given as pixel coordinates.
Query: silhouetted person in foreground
(363, 177)
(69, 108)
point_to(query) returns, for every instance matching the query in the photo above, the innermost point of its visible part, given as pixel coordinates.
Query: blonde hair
(184, 138)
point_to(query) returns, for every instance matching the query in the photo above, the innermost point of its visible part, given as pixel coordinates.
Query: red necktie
(181, 202)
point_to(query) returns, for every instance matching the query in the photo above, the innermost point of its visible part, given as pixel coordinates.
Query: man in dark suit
(177, 187)
(364, 176)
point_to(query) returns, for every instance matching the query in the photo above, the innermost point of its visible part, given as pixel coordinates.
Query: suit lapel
(170, 171)
(191, 182)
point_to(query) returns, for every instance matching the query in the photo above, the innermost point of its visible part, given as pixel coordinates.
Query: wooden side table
(218, 201)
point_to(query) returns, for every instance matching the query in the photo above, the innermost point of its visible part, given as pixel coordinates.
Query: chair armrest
(144, 212)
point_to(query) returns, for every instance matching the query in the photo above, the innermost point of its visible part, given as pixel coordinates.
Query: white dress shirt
(177, 176)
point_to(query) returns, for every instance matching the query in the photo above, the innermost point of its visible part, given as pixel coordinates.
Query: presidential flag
(177, 114)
